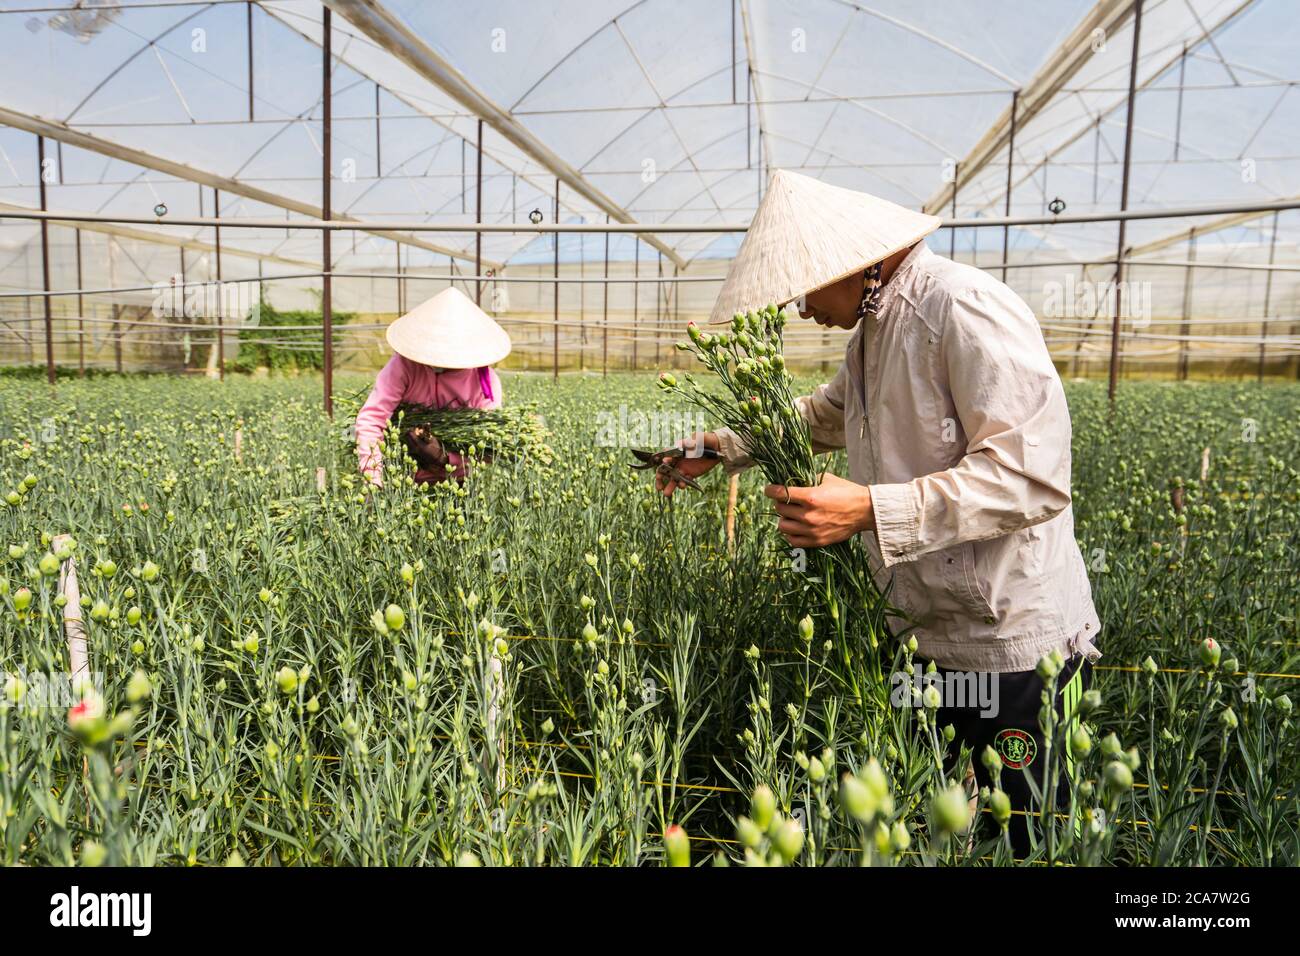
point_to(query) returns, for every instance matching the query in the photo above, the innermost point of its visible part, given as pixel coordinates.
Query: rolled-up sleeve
(374, 416)
(822, 409)
(1011, 406)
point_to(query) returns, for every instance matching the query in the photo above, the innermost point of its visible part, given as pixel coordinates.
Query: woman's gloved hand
(427, 450)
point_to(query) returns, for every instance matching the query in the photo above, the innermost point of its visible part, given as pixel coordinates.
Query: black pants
(1001, 711)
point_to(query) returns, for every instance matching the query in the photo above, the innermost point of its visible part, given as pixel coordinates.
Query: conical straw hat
(807, 235)
(449, 331)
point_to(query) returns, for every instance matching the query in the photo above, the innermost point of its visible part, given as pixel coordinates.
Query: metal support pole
(1011, 150)
(1186, 327)
(659, 320)
(81, 314)
(1178, 114)
(183, 287)
(604, 348)
(45, 260)
(250, 60)
(478, 215)
(555, 295)
(636, 299)
(676, 290)
(379, 142)
(221, 291)
(401, 297)
(1123, 199)
(1268, 298)
(952, 233)
(582, 304)
(327, 264)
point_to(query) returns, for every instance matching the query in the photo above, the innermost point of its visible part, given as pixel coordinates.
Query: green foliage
(283, 341)
(552, 664)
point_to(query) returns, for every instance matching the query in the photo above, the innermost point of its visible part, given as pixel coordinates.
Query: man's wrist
(867, 513)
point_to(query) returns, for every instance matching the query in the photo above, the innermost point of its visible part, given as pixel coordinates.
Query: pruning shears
(666, 462)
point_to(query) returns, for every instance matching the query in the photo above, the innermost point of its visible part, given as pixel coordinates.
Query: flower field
(553, 665)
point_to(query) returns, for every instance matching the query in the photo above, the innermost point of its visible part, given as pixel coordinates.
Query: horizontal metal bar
(541, 229)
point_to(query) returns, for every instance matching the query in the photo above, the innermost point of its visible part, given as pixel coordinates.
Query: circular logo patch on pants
(1016, 748)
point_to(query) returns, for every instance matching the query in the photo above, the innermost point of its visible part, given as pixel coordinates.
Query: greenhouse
(365, 364)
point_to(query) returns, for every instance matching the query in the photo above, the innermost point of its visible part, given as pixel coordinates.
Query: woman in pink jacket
(443, 353)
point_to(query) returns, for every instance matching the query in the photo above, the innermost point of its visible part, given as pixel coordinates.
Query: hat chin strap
(871, 287)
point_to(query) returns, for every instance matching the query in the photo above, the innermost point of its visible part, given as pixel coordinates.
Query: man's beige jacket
(953, 414)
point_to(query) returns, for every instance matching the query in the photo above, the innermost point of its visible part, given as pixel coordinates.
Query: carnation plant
(757, 403)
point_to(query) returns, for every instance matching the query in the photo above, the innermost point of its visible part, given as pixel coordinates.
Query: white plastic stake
(73, 625)
(496, 740)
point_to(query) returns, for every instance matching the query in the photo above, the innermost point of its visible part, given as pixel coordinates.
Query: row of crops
(552, 665)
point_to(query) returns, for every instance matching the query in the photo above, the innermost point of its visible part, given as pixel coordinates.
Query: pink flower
(89, 709)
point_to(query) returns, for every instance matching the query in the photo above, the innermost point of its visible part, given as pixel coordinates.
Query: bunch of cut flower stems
(510, 433)
(749, 362)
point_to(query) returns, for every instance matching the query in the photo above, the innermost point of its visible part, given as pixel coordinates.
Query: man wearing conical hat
(443, 353)
(958, 441)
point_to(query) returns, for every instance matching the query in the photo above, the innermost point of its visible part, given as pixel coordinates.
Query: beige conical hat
(808, 234)
(449, 331)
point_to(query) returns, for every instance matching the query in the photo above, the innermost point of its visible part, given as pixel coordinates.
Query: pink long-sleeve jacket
(402, 380)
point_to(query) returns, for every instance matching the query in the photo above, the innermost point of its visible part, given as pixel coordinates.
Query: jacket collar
(900, 277)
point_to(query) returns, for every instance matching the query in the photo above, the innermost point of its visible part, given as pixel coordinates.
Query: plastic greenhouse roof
(666, 110)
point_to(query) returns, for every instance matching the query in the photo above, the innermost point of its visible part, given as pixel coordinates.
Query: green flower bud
(149, 572)
(762, 806)
(1080, 742)
(93, 853)
(394, 617)
(1048, 668)
(678, 845)
(1150, 667)
(1210, 653)
(748, 833)
(1132, 759)
(138, 687)
(816, 770)
(1089, 702)
(287, 678)
(1000, 805)
(992, 762)
(1229, 719)
(15, 689)
(899, 838)
(856, 798)
(806, 629)
(951, 810)
(788, 840)
(1118, 777)
(48, 565)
